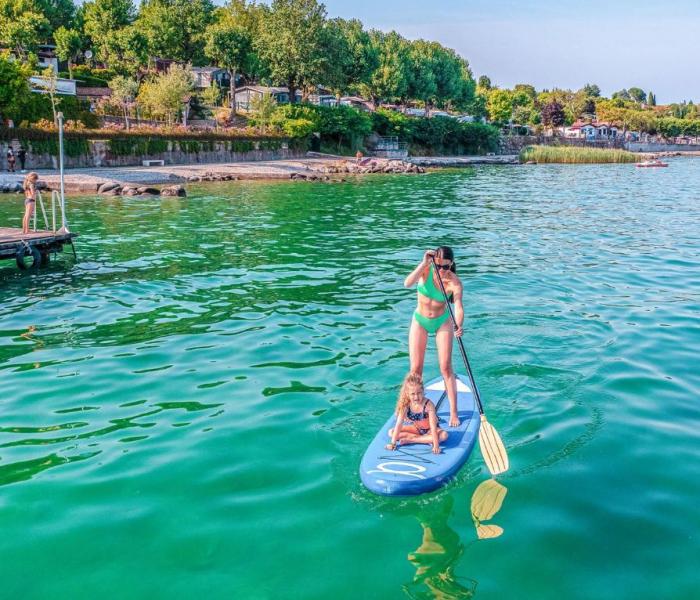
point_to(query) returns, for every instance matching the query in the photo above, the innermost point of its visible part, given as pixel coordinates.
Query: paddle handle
(459, 340)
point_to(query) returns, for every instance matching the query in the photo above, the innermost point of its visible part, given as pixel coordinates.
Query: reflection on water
(441, 548)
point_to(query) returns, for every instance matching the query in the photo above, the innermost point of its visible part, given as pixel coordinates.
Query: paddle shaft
(459, 340)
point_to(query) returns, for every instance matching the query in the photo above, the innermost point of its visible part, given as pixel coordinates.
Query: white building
(593, 131)
(40, 84)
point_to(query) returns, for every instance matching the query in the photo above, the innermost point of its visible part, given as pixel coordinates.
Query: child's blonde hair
(30, 179)
(404, 399)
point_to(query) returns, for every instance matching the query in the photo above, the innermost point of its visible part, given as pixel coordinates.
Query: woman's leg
(417, 343)
(27, 218)
(443, 341)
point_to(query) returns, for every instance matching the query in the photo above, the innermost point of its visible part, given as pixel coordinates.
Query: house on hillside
(64, 87)
(357, 102)
(205, 77)
(593, 131)
(246, 94)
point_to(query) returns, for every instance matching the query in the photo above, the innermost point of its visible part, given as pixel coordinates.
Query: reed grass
(576, 155)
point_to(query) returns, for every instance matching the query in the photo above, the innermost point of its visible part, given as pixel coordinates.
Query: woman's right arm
(419, 271)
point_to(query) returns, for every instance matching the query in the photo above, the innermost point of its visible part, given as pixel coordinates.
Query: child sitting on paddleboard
(416, 419)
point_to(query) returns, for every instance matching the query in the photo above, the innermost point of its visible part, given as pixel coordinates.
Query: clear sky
(556, 43)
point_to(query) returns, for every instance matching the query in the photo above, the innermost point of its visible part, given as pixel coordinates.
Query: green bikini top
(429, 290)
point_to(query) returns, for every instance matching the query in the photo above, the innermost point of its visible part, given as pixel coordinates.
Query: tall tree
(353, 57)
(168, 93)
(500, 105)
(23, 26)
(290, 42)
(390, 80)
(175, 28)
(651, 99)
(68, 46)
(484, 82)
(591, 89)
(59, 13)
(422, 85)
(553, 114)
(14, 86)
(125, 51)
(230, 46)
(124, 91)
(102, 18)
(637, 94)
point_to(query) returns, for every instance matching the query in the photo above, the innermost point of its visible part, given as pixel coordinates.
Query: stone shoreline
(313, 168)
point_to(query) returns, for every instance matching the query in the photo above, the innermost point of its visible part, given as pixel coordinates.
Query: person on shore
(358, 157)
(416, 419)
(10, 160)
(22, 155)
(29, 199)
(432, 316)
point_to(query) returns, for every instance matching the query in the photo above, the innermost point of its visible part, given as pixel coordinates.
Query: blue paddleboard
(414, 469)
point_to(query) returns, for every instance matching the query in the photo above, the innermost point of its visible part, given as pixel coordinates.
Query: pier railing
(57, 201)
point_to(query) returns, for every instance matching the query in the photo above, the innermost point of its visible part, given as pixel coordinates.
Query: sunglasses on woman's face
(443, 267)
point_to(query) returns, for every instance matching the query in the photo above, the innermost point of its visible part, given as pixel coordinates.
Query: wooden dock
(34, 246)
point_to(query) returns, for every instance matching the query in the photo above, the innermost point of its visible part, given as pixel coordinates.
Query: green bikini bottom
(431, 325)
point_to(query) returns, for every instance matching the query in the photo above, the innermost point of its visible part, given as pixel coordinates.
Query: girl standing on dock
(29, 199)
(432, 316)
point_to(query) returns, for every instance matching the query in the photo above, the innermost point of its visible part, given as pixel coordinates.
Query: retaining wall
(99, 155)
(657, 147)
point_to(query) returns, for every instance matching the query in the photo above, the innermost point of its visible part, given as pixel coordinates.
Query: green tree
(102, 19)
(59, 13)
(484, 82)
(499, 105)
(68, 46)
(353, 56)
(290, 42)
(124, 92)
(390, 80)
(230, 46)
(637, 94)
(168, 94)
(651, 99)
(22, 26)
(14, 86)
(422, 84)
(591, 90)
(175, 28)
(125, 51)
(264, 107)
(212, 95)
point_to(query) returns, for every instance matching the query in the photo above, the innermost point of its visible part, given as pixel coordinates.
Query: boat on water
(651, 163)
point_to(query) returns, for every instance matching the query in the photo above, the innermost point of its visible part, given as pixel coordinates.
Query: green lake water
(183, 411)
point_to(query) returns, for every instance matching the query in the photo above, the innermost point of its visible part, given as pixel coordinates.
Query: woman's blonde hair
(404, 399)
(30, 179)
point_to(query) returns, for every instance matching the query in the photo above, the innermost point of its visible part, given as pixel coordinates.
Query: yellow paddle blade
(487, 499)
(492, 448)
(486, 532)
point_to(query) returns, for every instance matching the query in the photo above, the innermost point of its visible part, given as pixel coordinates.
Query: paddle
(486, 502)
(490, 443)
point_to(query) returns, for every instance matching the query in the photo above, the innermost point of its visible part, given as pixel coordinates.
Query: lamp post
(64, 222)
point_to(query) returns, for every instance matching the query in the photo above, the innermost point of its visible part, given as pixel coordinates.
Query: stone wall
(657, 147)
(513, 144)
(99, 155)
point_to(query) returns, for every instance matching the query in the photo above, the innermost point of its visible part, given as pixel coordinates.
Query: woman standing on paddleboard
(432, 316)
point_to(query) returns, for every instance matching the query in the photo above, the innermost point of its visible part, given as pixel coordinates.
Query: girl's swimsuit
(428, 289)
(418, 416)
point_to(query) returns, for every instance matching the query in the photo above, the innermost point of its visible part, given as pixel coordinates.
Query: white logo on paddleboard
(388, 467)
